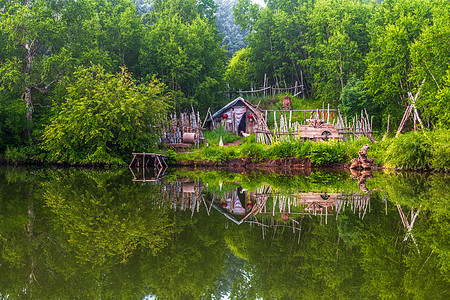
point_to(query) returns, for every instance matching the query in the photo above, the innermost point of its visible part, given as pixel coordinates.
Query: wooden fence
(183, 128)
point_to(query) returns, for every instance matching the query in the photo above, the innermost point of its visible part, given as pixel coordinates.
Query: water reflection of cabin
(311, 203)
(230, 205)
(241, 206)
(237, 116)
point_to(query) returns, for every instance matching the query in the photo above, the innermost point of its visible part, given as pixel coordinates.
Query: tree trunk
(27, 71)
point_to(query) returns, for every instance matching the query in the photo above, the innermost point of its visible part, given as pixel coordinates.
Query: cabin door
(239, 114)
(242, 124)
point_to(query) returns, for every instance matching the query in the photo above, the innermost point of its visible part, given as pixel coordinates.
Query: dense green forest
(96, 76)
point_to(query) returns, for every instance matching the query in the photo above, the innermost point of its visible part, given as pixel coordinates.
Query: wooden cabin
(239, 116)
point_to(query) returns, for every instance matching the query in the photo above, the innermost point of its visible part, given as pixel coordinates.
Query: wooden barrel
(189, 138)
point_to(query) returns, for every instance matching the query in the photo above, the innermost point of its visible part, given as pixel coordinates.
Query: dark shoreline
(247, 164)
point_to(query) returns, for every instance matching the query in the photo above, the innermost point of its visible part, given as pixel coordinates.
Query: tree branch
(44, 89)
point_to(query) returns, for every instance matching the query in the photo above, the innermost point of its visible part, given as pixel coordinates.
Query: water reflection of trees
(92, 236)
(89, 234)
(364, 250)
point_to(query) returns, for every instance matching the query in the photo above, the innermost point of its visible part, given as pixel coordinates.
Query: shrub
(105, 117)
(319, 154)
(303, 149)
(440, 149)
(253, 151)
(329, 152)
(18, 155)
(281, 150)
(15, 155)
(409, 151)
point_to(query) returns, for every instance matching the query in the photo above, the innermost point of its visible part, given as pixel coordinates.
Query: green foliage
(418, 151)
(318, 44)
(328, 153)
(394, 28)
(440, 150)
(15, 155)
(329, 48)
(320, 153)
(246, 14)
(237, 73)
(186, 56)
(222, 154)
(13, 123)
(253, 151)
(282, 149)
(409, 151)
(431, 60)
(105, 117)
(339, 42)
(354, 99)
(187, 10)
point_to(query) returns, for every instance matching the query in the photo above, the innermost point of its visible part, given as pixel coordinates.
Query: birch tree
(32, 31)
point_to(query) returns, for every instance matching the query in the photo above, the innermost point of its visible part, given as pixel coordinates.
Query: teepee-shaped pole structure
(411, 108)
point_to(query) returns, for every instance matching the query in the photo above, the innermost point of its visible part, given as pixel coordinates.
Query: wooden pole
(264, 87)
(328, 113)
(405, 117)
(387, 130)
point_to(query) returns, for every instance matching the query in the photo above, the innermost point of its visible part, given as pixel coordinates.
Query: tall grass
(416, 151)
(320, 153)
(409, 151)
(213, 136)
(440, 150)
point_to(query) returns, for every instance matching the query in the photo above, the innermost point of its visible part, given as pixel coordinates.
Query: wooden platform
(143, 159)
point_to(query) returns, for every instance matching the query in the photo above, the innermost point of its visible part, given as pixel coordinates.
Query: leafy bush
(18, 155)
(15, 155)
(253, 151)
(409, 151)
(354, 98)
(440, 149)
(281, 150)
(329, 152)
(13, 122)
(105, 117)
(319, 154)
(303, 148)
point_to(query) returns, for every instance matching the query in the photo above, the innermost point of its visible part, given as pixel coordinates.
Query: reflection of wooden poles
(159, 159)
(159, 162)
(407, 225)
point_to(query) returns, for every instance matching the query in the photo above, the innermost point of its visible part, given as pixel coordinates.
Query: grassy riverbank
(410, 151)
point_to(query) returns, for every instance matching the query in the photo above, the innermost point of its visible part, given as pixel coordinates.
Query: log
(362, 162)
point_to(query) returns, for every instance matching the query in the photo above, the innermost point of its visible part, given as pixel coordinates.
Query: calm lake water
(121, 234)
